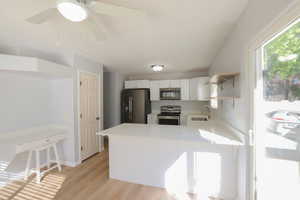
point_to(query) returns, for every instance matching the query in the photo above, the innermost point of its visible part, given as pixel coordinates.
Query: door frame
(287, 18)
(100, 125)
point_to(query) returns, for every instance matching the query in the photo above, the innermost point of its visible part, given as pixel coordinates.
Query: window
(281, 71)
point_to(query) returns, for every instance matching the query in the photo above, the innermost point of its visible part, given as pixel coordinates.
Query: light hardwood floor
(88, 181)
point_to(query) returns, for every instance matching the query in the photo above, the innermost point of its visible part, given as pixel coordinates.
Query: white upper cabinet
(185, 89)
(195, 89)
(130, 84)
(164, 84)
(175, 83)
(137, 84)
(199, 89)
(143, 84)
(169, 84)
(154, 90)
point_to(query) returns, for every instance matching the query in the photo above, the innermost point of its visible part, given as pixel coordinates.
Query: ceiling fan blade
(43, 16)
(99, 30)
(113, 10)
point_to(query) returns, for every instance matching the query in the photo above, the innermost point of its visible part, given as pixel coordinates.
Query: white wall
(25, 102)
(233, 58)
(113, 85)
(30, 101)
(63, 111)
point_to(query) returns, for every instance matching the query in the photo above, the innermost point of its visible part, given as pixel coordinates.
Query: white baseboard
(71, 164)
(68, 163)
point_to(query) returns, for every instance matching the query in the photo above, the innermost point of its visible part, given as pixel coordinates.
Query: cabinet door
(193, 89)
(154, 90)
(130, 84)
(185, 90)
(143, 84)
(204, 89)
(137, 84)
(175, 84)
(152, 119)
(164, 84)
(204, 93)
(199, 89)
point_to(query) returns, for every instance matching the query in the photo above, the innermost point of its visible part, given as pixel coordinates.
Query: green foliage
(295, 90)
(286, 44)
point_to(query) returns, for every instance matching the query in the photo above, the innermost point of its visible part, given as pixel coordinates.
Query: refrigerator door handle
(130, 109)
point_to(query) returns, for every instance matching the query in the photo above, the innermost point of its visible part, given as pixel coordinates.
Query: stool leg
(48, 157)
(38, 167)
(56, 157)
(28, 165)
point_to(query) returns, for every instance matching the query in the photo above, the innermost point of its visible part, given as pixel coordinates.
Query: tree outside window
(282, 66)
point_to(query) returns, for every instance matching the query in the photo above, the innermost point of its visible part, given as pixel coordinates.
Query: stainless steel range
(169, 115)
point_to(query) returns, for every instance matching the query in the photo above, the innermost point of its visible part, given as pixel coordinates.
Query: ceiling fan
(81, 10)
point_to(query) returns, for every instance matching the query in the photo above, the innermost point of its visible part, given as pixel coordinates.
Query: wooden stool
(37, 170)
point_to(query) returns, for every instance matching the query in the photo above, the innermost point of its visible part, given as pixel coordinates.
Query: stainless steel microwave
(170, 94)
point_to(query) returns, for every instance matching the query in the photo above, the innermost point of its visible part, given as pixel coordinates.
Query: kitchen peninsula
(201, 159)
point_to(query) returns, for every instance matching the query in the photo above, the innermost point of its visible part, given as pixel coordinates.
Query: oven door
(169, 120)
(170, 94)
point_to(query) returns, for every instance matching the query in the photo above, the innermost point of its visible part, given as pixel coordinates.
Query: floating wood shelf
(31, 65)
(217, 86)
(221, 78)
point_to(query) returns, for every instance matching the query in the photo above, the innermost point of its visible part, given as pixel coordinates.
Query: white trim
(101, 104)
(34, 65)
(70, 164)
(78, 116)
(98, 75)
(286, 19)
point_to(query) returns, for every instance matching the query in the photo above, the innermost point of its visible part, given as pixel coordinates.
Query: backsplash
(186, 106)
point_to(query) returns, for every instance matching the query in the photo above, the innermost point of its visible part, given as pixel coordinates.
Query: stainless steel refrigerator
(135, 106)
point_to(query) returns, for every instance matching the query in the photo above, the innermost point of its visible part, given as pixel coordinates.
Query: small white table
(33, 140)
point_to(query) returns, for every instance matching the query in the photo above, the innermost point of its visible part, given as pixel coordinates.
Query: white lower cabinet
(152, 119)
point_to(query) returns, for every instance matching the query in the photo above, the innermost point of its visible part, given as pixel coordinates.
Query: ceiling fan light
(157, 68)
(72, 10)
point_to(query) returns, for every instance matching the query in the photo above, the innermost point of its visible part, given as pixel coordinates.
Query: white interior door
(89, 114)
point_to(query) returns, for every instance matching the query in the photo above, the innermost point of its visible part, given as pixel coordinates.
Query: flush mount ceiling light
(72, 10)
(157, 68)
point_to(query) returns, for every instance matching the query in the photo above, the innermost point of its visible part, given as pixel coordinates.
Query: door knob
(98, 118)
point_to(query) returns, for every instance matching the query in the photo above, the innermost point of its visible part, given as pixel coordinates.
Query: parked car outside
(283, 122)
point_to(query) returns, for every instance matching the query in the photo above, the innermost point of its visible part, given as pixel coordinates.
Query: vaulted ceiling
(183, 35)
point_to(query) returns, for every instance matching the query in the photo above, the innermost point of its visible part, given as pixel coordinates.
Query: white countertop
(212, 132)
